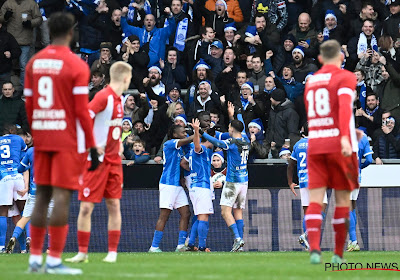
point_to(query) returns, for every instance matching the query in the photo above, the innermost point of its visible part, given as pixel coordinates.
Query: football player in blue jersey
(172, 194)
(299, 158)
(364, 151)
(200, 190)
(234, 192)
(24, 165)
(11, 182)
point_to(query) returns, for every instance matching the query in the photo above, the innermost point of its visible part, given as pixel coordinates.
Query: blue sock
(355, 215)
(352, 227)
(17, 232)
(323, 215)
(157, 238)
(203, 231)
(22, 241)
(240, 226)
(28, 229)
(182, 237)
(304, 226)
(193, 233)
(3, 230)
(234, 230)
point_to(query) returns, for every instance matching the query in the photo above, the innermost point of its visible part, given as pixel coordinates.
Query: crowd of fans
(256, 54)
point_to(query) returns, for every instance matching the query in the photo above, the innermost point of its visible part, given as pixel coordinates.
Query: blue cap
(230, 26)
(284, 151)
(256, 123)
(181, 117)
(251, 31)
(201, 64)
(217, 44)
(299, 49)
(127, 119)
(330, 13)
(219, 154)
(248, 85)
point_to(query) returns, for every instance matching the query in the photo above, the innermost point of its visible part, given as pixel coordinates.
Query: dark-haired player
(172, 194)
(234, 192)
(56, 91)
(332, 146)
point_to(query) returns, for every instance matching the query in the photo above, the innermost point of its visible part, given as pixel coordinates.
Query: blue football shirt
(364, 150)
(25, 164)
(300, 155)
(12, 148)
(172, 155)
(200, 167)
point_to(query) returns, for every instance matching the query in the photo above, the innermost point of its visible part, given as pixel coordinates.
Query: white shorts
(354, 194)
(30, 203)
(234, 195)
(172, 197)
(202, 200)
(305, 197)
(13, 211)
(9, 186)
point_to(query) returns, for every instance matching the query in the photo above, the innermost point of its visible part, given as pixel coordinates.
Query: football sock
(157, 238)
(182, 237)
(3, 230)
(313, 219)
(17, 232)
(83, 241)
(234, 230)
(193, 233)
(352, 227)
(22, 241)
(340, 225)
(240, 226)
(203, 231)
(57, 241)
(323, 215)
(113, 240)
(304, 224)
(37, 239)
(28, 229)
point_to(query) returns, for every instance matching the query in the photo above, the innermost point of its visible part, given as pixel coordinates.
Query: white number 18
(321, 105)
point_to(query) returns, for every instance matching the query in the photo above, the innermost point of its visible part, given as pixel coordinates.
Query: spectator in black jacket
(12, 109)
(251, 108)
(227, 77)
(214, 59)
(391, 24)
(387, 140)
(302, 66)
(172, 69)
(9, 50)
(205, 101)
(371, 118)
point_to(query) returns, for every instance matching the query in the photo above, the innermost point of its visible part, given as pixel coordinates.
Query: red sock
(83, 241)
(313, 225)
(113, 240)
(340, 224)
(58, 239)
(37, 239)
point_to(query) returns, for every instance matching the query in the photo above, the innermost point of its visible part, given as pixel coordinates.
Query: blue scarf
(181, 33)
(369, 112)
(245, 102)
(326, 32)
(269, 91)
(363, 94)
(131, 11)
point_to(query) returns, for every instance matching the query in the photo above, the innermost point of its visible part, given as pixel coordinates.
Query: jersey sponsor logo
(48, 114)
(319, 79)
(116, 133)
(321, 122)
(5, 141)
(114, 122)
(10, 161)
(48, 66)
(49, 125)
(324, 133)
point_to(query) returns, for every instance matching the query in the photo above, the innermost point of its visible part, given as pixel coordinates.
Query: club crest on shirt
(86, 192)
(116, 133)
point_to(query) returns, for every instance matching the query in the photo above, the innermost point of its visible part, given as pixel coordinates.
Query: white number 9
(45, 88)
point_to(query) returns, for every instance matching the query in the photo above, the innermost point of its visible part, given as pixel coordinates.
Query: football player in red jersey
(56, 91)
(106, 181)
(332, 159)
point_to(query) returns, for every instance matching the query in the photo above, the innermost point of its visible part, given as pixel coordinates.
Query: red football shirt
(56, 90)
(329, 96)
(106, 109)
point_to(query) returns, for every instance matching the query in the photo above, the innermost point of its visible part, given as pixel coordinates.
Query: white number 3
(45, 88)
(322, 107)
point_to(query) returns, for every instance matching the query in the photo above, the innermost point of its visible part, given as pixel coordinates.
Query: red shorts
(105, 181)
(58, 169)
(333, 171)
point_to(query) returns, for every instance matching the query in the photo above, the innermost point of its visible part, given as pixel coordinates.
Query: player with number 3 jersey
(332, 159)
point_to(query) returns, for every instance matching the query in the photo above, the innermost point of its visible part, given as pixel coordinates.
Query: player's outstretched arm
(196, 139)
(185, 141)
(289, 174)
(214, 141)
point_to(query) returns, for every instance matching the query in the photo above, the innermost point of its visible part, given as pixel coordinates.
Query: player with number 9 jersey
(56, 91)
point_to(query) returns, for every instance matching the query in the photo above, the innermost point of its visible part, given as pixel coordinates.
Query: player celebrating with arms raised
(106, 180)
(56, 91)
(234, 192)
(332, 159)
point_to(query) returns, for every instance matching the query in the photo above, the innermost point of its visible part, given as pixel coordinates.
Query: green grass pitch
(194, 265)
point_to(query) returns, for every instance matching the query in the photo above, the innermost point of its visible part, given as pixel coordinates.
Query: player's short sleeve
(173, 144)
(227, 143)
(295, 152)
(26, 159)
(81, 79)
(23, 145)
(98, 104)
(203, 148)
(366, 147)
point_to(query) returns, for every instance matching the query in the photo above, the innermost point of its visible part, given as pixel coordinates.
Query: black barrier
(261, 176)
